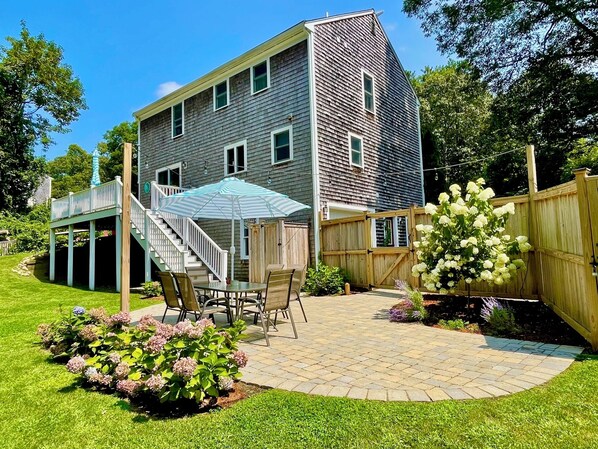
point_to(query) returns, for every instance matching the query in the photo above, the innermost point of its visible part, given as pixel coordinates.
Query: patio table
(236, 289)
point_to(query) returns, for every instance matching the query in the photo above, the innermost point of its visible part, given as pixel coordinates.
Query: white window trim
(278, 131)
(243, 244)
(182, 103)
(267, 76)
(234, 145)
(357, 136)
(178, 165)
(227, 94)
(363, 73)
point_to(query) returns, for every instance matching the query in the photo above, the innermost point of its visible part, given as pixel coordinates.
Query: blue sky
(128, 53)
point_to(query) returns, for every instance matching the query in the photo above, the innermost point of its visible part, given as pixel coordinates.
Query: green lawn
(40, 407)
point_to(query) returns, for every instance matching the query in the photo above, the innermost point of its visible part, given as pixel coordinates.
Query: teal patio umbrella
(230, 199)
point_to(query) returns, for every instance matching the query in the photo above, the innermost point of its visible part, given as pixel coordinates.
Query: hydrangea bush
(465, 241)
(194, 361)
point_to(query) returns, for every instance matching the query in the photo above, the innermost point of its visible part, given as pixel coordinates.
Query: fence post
(587, 239)
(369, 256)
(532, 182)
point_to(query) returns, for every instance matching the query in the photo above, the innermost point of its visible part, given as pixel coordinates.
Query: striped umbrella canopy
(230, 199)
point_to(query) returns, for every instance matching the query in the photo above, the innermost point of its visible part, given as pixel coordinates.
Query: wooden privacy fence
(375, 249)
(276, 243)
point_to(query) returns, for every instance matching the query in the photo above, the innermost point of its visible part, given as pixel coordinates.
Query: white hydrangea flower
(443, 197)
(481, 181)
(472, 187)
(510, 208)
(521, 239)
(488, 264)
(444, 220)
(455, 189)
(486, 194)
(430, 209)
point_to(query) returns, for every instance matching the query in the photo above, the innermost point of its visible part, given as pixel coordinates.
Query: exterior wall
(250, 117)
(342, 49)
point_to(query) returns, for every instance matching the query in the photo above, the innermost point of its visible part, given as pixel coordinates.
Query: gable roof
(278, 43)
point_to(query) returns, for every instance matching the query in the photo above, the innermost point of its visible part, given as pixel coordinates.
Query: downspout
(139, 159)
(314, 141)
(421, 154)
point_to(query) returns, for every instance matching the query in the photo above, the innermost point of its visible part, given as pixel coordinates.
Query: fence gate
(276, 243)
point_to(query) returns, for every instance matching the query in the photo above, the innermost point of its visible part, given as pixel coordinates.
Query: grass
(41, 406)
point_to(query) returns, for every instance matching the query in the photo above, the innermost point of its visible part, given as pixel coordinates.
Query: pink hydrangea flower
(128, 387)
(240, 359)
(181, 327)
(155, 344)
(146, 322)
(122, 370)
(88, 333)
(119, 319)
(184, 367)
(165, 330)
(155, 383)
(76, 365)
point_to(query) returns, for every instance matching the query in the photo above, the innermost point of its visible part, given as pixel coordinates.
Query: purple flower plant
(119, 319)
(397, 315)
(155, 344)
(88, 333)
(76, 365)
(488, 307)
(122, 370)
(155, 383)
(78, 310)
(184, 367)
(128, 387)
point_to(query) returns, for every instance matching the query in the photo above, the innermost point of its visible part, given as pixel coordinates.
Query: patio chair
(276, 299)
(171, 295)
(298, 281)
(199, 275)
(253, 299)
(192, 303)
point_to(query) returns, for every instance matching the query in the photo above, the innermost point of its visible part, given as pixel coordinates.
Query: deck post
(118, 229)
(148, 260)
(70, 203)
(92, 254)
(69, 270)
(52, 255)
(125, 274)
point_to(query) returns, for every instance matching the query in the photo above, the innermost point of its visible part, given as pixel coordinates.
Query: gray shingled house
(322, 112)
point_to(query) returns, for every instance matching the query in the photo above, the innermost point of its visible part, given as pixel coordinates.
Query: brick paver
(349, 348)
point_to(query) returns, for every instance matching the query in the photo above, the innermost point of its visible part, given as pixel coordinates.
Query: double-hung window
(178, 111)
(169, 176)
(368, 92)
(221, 97)
(235, 158)
(356, 150)
(282, 145)
(260, 77)
(244, 235)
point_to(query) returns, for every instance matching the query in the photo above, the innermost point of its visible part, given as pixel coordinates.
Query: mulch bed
(536, 321)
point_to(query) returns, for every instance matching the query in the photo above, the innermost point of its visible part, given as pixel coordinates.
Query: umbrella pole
(232, 248)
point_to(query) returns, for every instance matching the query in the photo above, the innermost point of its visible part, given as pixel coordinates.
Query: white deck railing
(109, 195)
(104, 196)
(214, 257)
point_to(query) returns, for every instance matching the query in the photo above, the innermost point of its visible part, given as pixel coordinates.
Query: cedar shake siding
(247, 117)
(342, 49)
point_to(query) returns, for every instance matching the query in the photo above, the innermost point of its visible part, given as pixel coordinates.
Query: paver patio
(349, 348)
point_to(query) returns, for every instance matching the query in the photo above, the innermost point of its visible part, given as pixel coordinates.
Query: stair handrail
(161, 243)
(209, 252)
(193, 236)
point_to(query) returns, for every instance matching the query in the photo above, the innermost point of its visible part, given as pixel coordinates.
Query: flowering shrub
(411, 308)
(151, 289)
(499, 317)
(194, 361)
(464, 241)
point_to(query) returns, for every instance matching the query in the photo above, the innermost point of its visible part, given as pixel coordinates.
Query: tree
(20, 171)
(455, 116)
(539, 58)
(583, 155)
(111, 149)
(71, 172)
(51, 96)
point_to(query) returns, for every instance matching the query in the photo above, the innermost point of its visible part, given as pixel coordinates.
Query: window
(177, 120)
(368, 92)
(235, 157)
(244, 235)
(260, 77)
(169, 176)
(390, 232)
(221, 95)
(356, 150)
(282, 145)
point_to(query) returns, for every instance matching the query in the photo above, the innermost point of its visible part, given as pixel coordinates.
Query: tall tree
(111, 149)
(540, 58)
(455, 115)
(52, 96)
(71, 172)
(20, 171)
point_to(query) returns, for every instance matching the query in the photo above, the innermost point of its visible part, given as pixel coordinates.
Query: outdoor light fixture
(205, 167)
(184, 165)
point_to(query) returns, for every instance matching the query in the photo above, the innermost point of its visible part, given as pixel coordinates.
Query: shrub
(28, 231)
(457, 324)
(193, 361)
(464, 241)
(324, 280)
(151, 289)
(409, 309)
(499, 317)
